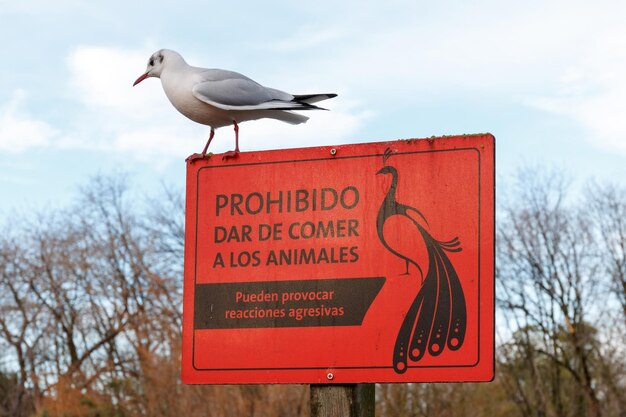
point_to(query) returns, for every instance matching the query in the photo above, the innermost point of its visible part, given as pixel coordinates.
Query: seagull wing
(230, 90)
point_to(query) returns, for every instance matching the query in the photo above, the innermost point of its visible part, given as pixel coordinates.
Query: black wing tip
(319, 97)
(303, 101)
(296, 105)
(303, 105)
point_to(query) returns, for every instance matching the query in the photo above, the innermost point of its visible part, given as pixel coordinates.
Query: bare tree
(607, 205)
(551, 272)
(91, 302)
(91, 313)
(21, 330)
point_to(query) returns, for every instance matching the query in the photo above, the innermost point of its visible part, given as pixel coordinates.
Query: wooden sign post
(350, 400)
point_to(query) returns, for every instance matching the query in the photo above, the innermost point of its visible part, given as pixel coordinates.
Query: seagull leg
(202, 155)
(232, 154)
(208, 142)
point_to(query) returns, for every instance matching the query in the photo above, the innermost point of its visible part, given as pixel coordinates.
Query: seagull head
(157, 63)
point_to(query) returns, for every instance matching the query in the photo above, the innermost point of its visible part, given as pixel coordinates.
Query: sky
(546, 78)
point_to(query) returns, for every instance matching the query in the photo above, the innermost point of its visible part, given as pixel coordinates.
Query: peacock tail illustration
(436, 319)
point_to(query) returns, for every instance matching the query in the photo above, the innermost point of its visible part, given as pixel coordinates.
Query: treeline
(91, 300)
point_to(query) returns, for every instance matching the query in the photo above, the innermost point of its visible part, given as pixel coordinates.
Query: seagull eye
(151, 63)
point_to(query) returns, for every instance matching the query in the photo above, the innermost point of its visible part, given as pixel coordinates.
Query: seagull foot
(230, 154)
(196, 156)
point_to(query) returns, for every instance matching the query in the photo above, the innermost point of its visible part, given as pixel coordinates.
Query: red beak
(140, 79)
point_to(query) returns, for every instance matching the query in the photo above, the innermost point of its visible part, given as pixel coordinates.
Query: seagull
(219, 98)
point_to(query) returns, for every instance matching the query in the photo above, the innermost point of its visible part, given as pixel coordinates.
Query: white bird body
(218, 98)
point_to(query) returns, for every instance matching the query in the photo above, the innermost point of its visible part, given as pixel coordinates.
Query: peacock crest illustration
(437, 317)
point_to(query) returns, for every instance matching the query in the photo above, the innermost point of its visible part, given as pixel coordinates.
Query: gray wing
(229, 90)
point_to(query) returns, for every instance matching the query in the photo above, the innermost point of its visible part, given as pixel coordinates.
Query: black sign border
(378, 155)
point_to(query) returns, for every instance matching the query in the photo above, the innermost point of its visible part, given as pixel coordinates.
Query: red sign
(353, 263)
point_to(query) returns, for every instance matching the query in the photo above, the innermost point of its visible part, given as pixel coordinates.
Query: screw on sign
(378, 255)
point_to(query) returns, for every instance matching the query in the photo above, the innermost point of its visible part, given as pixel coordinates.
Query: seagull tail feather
(288, 117)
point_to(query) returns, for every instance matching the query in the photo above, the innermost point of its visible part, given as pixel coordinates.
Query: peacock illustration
(436, 319)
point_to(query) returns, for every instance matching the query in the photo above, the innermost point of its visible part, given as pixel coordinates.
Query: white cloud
(135, 121)
(592, 91)
(494, 47)
(564, 57)
(323, 128)
(102, 78)
(32, 7)
(307, 37)
(18, 130)
(141, 122)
